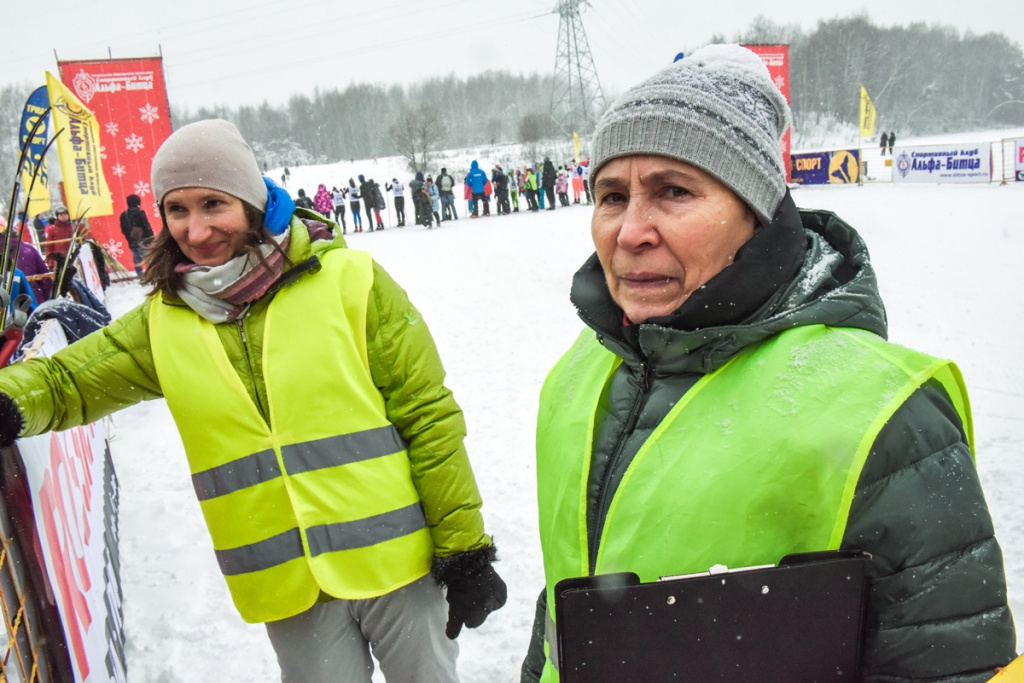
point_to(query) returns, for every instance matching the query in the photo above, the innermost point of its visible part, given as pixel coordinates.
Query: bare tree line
(922, 78)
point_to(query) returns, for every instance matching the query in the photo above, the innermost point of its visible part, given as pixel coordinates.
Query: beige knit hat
(209, 154)
(717, 109)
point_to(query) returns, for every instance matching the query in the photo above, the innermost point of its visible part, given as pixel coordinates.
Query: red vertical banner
(129, 99)
(776, 58)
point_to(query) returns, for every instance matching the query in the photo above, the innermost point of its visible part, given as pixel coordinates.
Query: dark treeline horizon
(923, 79)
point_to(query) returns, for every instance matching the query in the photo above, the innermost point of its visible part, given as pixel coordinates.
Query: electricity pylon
(577, 99)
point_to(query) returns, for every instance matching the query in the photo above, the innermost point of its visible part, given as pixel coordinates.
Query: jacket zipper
(605, 496)
(240, 321)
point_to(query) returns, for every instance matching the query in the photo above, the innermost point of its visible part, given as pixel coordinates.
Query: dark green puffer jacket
(937, 606)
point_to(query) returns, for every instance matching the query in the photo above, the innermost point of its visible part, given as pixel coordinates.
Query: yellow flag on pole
(78, 147)
(576, 147)
(867, 114)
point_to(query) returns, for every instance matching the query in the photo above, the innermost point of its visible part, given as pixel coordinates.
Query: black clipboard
(800, 621)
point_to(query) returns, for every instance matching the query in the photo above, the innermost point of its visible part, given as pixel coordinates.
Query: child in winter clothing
(435, 199)
(338, 197)
(562, 186)
(513, 188)
(354, 204)
(302, 201)
(323, 203)
(399, 194)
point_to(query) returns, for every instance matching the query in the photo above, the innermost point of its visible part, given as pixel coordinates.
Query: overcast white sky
(246, 51)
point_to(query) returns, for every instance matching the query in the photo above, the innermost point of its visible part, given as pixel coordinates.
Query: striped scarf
(223, 293)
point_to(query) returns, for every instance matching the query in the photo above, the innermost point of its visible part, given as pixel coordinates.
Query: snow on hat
(717, 109)
(209, 154)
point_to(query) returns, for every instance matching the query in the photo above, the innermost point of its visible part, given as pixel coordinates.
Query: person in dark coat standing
(892, 141)
(884, 142)
(373, 199)
(500, 182)
(136, 229)
(548, 178)
(302, 201)
(420, 200)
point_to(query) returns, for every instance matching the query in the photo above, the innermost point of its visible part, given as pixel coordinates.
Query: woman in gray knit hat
(326, 453)
(732, 398)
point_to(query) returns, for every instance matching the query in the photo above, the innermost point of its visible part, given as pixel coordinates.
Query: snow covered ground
(495, 294)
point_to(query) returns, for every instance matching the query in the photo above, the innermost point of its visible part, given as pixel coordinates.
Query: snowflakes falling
(113, 247)
(149, 113)
(134, 143)
(112, 128)
(142, 188)
(119, 170)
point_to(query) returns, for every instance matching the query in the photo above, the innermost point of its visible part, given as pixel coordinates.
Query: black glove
(11, 421)
(474, 588)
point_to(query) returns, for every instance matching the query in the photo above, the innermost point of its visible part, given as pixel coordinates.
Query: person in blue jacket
(477, 179)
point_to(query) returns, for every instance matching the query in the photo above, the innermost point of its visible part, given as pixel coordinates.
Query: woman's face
(209, 226)
(662, 228)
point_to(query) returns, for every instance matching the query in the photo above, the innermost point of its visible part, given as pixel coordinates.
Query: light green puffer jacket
(113, 368)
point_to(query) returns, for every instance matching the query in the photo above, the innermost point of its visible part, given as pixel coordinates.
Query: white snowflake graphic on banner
(103, 152)
(113, 247)
(780, 81)
(112, 128)
(142, 188)
(118, 170)
(149, 113)
(134, 143)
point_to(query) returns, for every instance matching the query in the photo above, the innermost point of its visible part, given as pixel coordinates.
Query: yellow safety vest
(322, 498)
(757, 460)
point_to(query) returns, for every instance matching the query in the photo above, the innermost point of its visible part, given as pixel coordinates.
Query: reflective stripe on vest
(757, 460)
(322, 499)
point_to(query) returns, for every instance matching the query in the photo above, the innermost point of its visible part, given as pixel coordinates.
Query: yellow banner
(39, 200)
(576, 146)
(867, 114)
(79, 149)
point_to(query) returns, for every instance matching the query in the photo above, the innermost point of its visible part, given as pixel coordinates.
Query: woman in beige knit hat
(326, 453)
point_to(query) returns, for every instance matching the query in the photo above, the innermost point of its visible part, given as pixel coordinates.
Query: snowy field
(495, 294)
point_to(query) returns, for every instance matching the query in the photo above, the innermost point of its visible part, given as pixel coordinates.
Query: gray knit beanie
(717, 109)
(209, 154)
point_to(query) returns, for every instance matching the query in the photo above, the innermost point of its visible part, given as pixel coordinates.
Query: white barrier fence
(1000, 161)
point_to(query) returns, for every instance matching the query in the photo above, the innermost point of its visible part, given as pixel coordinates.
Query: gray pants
(331, 641)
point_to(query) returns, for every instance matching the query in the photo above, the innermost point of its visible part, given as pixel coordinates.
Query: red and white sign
(69, 477)
(129, 99)
(776, 59)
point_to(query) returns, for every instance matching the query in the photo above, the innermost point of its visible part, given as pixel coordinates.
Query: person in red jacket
(58, 235)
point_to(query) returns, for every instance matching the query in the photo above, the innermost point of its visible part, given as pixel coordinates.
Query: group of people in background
(541, 186)
(537, 184)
